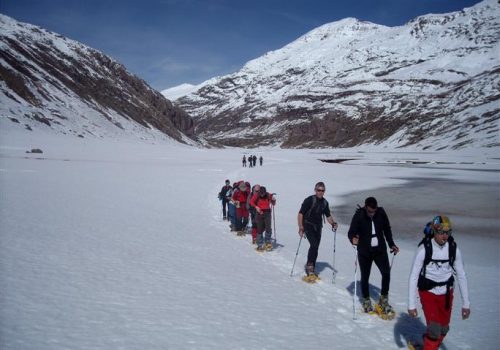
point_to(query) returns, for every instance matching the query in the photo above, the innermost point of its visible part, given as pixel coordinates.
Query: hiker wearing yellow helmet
(437, 260)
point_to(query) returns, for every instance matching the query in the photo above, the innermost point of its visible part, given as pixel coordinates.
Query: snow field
(120, 245)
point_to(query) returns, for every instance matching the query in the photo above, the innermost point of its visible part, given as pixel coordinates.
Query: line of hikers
(240, 204)
(252, 161)
(437, 261)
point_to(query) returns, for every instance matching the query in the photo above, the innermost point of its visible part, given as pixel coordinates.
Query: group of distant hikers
(241, 203)
(252, 161)
(437, 261)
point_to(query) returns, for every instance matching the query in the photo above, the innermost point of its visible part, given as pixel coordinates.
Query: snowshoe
(260, 249)
(414, 346)
(312, 278)
(383, 309)
(269, 246)
(240, 233)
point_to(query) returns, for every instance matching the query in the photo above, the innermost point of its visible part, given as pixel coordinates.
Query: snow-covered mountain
(433, 83)
(49, 81)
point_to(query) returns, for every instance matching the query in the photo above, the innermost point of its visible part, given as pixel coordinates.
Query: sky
(171, 42)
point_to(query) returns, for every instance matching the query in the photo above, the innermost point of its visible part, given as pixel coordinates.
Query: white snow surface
(178, 91)
(115, 244)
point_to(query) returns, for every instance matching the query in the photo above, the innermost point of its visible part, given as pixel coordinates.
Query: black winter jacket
(361, 225)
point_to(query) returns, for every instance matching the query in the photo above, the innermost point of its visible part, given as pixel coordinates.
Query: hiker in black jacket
(369, 231)
(310, 220)
(224, 199)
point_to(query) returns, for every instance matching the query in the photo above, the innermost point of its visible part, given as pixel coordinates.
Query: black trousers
(313, 235)
(224, 206)
(381, 259)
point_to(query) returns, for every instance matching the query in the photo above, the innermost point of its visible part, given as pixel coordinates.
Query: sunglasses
(444, 232)
(320, 190)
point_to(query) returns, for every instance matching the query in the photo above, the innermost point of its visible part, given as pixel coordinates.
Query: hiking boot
(254, 240)
(260, 248)
(310, 270)
(269, 246)
(384, 304)
(367, 305)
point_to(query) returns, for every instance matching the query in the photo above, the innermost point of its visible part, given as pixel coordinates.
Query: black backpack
(314, 207)
(426, 284)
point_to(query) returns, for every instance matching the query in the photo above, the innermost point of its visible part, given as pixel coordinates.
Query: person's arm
(388, 232)
(300, 222)
(329, 216)
(413, 281)
(353, 233)
(332, 222)
(462, 284)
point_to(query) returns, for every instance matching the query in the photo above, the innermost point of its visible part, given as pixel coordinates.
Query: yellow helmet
(441, 224)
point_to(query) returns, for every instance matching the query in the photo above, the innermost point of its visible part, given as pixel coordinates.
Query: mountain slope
(432, 83)
(49, 81)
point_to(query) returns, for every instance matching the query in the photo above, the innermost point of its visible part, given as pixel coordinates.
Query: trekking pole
(355, 283)
(274, 226)
(392, 261)
(297, 253)
(334, 248)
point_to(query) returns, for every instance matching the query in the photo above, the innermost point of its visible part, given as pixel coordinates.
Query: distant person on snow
(240, 197)
(255, 191)
(231, 208)
(261, 160)
(310, 221)
(369, 230)
(437, 260)
(223, 198)
(262, 202)
(244, 161)
(254, 158)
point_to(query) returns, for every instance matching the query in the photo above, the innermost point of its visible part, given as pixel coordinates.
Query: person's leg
(260, 229)
(365, 266)
(267, 225)
(437, 318)
(224, 212)
(382, 262)
(314, 238)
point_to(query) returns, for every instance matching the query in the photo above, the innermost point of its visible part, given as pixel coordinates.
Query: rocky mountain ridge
(49, 81)
(432, 83)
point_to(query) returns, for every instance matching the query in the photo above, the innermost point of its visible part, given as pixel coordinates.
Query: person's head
(256, 189)
(440, 228)
(319, 189)
(262, 191)
(227, 182)
(242, 186)
(371, 206)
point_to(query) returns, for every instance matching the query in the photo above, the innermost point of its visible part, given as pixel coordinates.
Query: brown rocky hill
(49, 81)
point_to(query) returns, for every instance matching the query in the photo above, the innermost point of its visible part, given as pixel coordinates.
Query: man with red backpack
(262, 202)
(240, 198)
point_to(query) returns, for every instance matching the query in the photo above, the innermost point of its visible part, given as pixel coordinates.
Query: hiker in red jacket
(262, 203)
(253, 212)
(240, 197)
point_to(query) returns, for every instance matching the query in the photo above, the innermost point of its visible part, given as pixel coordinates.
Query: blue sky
(169, 42)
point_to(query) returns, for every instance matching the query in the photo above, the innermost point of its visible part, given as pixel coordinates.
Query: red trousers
(435, 312)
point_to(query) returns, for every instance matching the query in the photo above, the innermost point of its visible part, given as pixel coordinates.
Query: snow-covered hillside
(50, 82)
(113, 245)
(433, 82)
